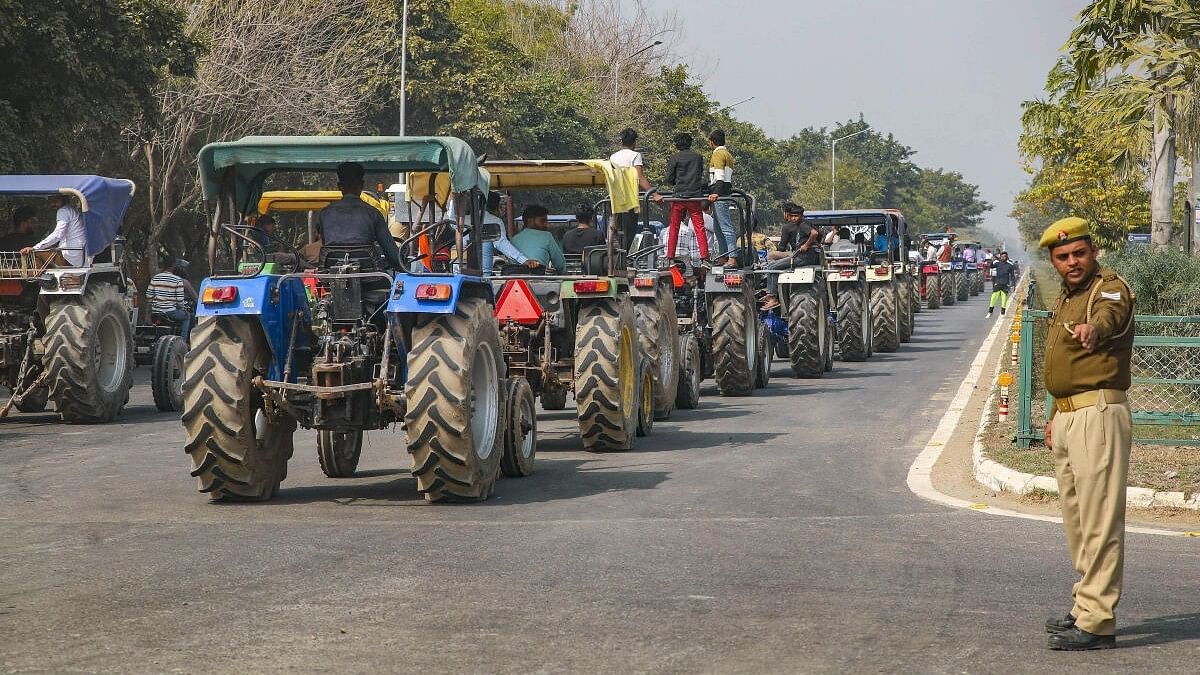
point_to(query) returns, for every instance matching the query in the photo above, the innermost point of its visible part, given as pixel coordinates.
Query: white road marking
(920, 474)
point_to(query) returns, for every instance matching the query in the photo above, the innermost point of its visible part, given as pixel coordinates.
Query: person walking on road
(1002, 280)
(1088, 349)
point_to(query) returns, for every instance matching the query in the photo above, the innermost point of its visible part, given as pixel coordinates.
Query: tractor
(950, 276)
(375, 347)
(66, 324)
(586, 329)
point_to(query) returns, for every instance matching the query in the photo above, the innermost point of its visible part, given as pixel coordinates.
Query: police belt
(1088, 399)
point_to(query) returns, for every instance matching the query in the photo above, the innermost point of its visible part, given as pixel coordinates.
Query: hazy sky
(945, 76)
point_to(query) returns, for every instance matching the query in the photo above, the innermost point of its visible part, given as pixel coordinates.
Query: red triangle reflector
(676, 277)
(518, 303)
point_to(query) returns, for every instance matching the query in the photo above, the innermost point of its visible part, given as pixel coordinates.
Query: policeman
(350, 221)
(1087, 371)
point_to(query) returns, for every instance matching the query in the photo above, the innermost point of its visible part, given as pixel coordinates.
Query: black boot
(1076, 639)
(1059, 625)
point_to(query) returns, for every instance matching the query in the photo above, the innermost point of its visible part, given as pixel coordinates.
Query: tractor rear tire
(762, 368)
(456, 401)
(606, 375)
(89, 355)
(914, 293)
(687, 396)
(904, 309)
(852, 336)
(933, 292)
(735, 338)
(885, 333)
(949, 281)
(645, 421)
(808, 332)
(237, 453)
(34, 401)
(520, 440)
(554, 398)
(963, 286)
(658, 338)
(338, 452)
(166, 373)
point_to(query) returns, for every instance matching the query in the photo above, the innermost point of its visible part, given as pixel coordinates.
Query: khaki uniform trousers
(1091, 463)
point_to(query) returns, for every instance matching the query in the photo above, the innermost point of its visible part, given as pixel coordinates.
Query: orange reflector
(518, 303)
(676, 277)
(733, 280)
(644, 282)
(216, 295)
(597, 286)
(433, 292)
(11, 287)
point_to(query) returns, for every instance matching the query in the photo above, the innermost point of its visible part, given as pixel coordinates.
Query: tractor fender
(274, 306)
(75, 280)
(803, 275)
(425, 294)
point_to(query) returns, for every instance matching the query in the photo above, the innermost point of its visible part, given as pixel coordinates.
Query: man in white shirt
(67, 235)
(628, 157)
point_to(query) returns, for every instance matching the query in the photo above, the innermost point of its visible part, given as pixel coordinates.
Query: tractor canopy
(293, 201)
(620, 182)
(241, 166)
(103, 201)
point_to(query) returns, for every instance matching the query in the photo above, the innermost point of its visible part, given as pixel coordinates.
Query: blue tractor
(349, 346)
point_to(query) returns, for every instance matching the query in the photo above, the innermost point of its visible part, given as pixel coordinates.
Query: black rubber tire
(976, 282)
(933, 291)
(687, 396)
(553, 398)
(166, 373)
(220, 406)
(885, 324)
(962, 286)
(808, 331)
(853, 343)
(606, 375)
(645, 418)
(914, 292)
(455, 454)
(765, 352)
(949, 282)
(734, 343)
(520, 439)
(75, 328)
(338, 452)
(34, 401)
(658, 337)
(904, 309)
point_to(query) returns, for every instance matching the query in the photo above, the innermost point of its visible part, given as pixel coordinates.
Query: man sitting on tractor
(800, 239)
(535, 241)
(352, 222)
(170, 295)
(585, 233)
(67, 234)
(22, 230)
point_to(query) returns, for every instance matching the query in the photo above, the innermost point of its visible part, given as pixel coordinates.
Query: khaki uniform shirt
(1105, 301)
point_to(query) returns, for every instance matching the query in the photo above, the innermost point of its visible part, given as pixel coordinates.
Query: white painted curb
(920, 473)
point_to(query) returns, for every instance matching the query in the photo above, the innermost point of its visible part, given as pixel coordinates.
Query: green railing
(1164, 396)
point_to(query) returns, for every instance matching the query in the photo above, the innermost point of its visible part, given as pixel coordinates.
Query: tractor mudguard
(434, 293)
(802, 275)
(723, 281)
(645, 285)
(879, 273)
(257, 296)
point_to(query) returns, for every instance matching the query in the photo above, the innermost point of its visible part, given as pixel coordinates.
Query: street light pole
(833, 167)
(617, 66)
(404, 68)
(731, 106)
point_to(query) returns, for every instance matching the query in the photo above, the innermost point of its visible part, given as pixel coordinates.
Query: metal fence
(1164, 396)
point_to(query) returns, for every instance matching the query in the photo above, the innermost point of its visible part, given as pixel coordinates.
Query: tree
(943, 199)
(857, 186)
(73, 73)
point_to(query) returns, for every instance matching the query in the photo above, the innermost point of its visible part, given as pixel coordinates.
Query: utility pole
(833, 167)
(617, 66)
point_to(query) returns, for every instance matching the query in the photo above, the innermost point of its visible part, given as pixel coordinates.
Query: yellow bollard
(1016, 341)
(1005, 380)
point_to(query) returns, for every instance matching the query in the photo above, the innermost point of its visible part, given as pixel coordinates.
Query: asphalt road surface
(764, 534)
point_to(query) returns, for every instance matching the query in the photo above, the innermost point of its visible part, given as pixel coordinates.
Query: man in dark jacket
(1003, 274)
(352, 222)
(685, 173)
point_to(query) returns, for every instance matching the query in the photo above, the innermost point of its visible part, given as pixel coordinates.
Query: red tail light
(218, 295)
(881, 270)
(433, 292)
(732, 279)
(644, 282)
(598, 286)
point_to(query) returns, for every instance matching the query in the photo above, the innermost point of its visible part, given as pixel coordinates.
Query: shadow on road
(1161, 630)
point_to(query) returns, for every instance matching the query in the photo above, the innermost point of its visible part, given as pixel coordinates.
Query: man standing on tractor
(535, 241)
(720, 181)
(685, 173)
(628, 157)
(67, 234)
(1087, 370)
(352, 222)
(1002, 280)
(800, 240)
(170, 295)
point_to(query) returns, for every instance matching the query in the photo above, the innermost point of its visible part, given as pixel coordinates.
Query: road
(764, 534)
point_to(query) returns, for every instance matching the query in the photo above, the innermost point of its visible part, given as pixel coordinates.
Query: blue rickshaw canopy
(103, 201)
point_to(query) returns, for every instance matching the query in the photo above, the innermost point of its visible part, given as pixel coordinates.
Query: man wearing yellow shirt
(720, 181)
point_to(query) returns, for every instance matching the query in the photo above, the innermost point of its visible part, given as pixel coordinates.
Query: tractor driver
(800, 239)
(352, 222)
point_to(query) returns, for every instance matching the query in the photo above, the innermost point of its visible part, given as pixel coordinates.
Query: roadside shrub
(1166, 282)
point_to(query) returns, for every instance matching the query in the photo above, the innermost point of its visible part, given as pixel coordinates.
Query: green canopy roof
(253, 158)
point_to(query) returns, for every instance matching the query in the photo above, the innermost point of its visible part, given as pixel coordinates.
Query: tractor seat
(595, 260)
(362, 255)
